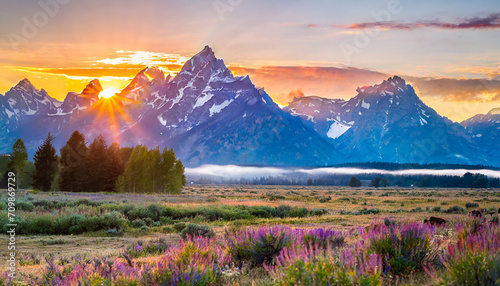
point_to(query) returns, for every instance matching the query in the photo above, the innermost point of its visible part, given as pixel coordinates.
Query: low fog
(233, 172)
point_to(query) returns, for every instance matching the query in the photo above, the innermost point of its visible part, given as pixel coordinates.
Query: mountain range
(209, 116)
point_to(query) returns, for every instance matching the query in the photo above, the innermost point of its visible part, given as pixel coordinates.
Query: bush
(323, 271)
(471, 205)
(455, 210)
(144, 249)
(179, 226)
(138, 223)
(403, 248)
(474, 259)
(24, 206)
(436, 209)
(194, 230)
(257, 247)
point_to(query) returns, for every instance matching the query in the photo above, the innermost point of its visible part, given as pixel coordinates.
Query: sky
(449, 50)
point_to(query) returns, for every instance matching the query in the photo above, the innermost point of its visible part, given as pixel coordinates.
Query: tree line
(468, 180)
(97, 167)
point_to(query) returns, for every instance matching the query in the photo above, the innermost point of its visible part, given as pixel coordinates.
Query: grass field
(118, 227)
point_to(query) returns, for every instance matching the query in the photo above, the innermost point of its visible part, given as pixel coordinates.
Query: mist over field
(234, 172)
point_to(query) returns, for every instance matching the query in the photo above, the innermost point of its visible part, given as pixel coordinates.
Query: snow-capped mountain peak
(81, 101)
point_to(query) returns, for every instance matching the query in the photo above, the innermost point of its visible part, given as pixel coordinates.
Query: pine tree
(375, 182)
(73, 172)
(116, 166)
(18, 159)
(354, 182)
(98, 167)
(46, 165)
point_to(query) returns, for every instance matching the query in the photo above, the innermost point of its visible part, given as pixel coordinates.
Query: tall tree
(375, 182)
(18, 159)
(46, 165)
(354, 182)
(73, 172)
(98, 165)
(152, 171)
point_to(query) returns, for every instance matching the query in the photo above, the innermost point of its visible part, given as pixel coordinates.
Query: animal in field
(476, 213)
(435, 220)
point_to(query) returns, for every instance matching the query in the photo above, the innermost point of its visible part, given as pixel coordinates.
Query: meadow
(257, 235)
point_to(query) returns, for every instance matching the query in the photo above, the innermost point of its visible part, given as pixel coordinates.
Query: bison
(435, 220)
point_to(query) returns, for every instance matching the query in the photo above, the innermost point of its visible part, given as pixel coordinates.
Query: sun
(108, 92)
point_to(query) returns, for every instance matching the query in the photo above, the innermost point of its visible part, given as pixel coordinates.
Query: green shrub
(471, 205)
(179, 226)
(436, 209)
(148, 248)
(166, 220)
(138, 223)
(404, 249)
(168, 229)
(474, 268)
(24, 206)
(3, 205)
(455, 210)
(323, 271)
(195, 230)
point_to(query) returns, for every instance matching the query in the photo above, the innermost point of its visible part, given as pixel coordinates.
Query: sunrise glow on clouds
(448, 50)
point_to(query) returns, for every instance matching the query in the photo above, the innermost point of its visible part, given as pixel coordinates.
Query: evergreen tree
(116, 166)
(375, 182)
(98, 166)
(354, 182)
(18, 159)
(46, 165)
(384, 182)
(73, 171)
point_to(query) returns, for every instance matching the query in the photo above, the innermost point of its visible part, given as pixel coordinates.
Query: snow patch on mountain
(337, 129)
(216, 108)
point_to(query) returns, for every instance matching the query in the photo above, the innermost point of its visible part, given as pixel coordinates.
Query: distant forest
(468, 180)
(406, 166)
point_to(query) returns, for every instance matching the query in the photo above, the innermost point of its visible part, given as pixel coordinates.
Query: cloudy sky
(449, 50)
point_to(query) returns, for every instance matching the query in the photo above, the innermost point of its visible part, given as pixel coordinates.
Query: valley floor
(341, 209)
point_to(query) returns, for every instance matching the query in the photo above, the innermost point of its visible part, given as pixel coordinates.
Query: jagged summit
(205, 62)
(494, 111)
(208, 116)
(389, 86)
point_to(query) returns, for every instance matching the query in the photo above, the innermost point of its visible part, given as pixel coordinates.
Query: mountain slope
(484, 131)
(209, 116)
(388, 122)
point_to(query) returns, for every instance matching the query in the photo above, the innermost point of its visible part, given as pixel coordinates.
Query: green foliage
(474, 268)
(24, 206)
(375, 182)
(73, 170)
(179, 226)
(72, 224)
(146, 248)
(354, 182)
(455, 210)
(404, 252)
(471, 205)
(194, 230)
(46, 165)
(152, 171)
(323, 271)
